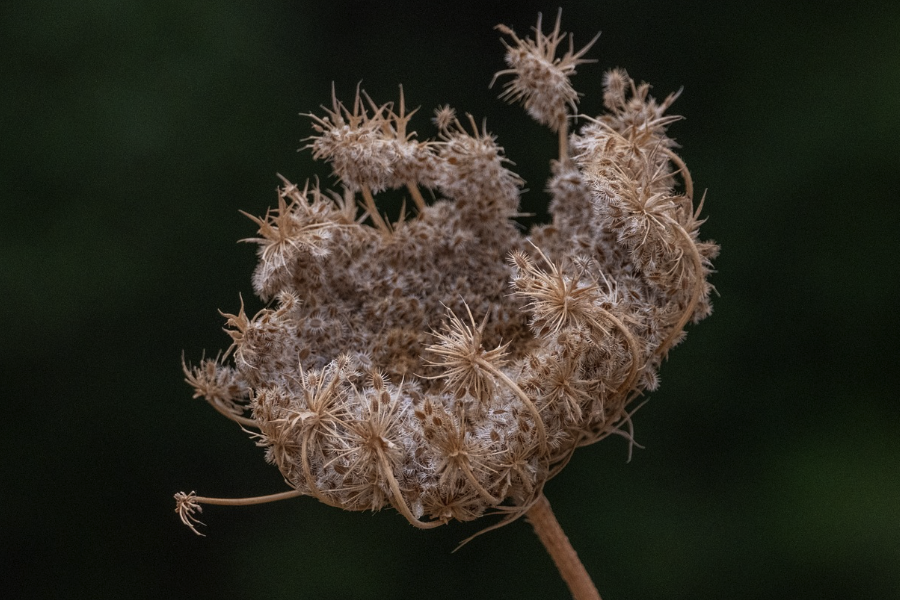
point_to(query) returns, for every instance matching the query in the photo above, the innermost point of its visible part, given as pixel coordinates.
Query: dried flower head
(467, 367)
(368, 378)
(541, 79)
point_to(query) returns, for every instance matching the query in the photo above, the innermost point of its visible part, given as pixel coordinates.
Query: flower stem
(416, 195)
(373, 210)
(699, 282)
(247, 501)
(554, 539)
(564, 141)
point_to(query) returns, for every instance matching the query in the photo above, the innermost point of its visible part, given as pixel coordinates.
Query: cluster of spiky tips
(444, 363)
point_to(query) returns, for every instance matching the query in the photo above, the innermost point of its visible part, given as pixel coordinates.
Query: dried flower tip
(540, 78)
(463, 357)
(236, 326)
(634, 113)
(215, 383)
(186, 505)
(353, 142)
(370, 148)
(614, 83)
(219, 385)
(557, 301)
(290, 230)
(444, 118)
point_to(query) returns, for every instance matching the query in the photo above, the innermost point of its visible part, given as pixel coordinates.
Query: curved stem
(632, 347)
(685, 174)
(307, 472)
(695, 296)
(397, 500)
(535, 414)
(187, 505)
(474, 481)
(621, 391)
(237, 419)
(247, 501)
(541, 517)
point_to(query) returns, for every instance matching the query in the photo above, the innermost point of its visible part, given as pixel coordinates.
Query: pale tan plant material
(445, 364)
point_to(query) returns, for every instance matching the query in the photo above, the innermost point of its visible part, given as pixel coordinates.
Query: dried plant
(445, 364)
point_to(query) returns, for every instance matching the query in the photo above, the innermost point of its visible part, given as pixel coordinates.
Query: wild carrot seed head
(446, 363)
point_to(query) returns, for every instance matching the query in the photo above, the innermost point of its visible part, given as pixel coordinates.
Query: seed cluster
(444, 363)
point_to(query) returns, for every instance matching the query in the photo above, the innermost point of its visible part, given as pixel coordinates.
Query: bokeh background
(131, 133)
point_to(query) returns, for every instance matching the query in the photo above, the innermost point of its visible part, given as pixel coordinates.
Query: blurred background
(132, 133)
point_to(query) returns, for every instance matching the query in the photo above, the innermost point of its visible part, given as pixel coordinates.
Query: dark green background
(132, 133)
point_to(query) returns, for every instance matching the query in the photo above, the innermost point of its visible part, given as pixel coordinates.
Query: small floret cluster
(443, 363)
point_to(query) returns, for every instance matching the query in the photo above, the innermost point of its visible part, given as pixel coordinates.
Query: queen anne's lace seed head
(445, 364)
